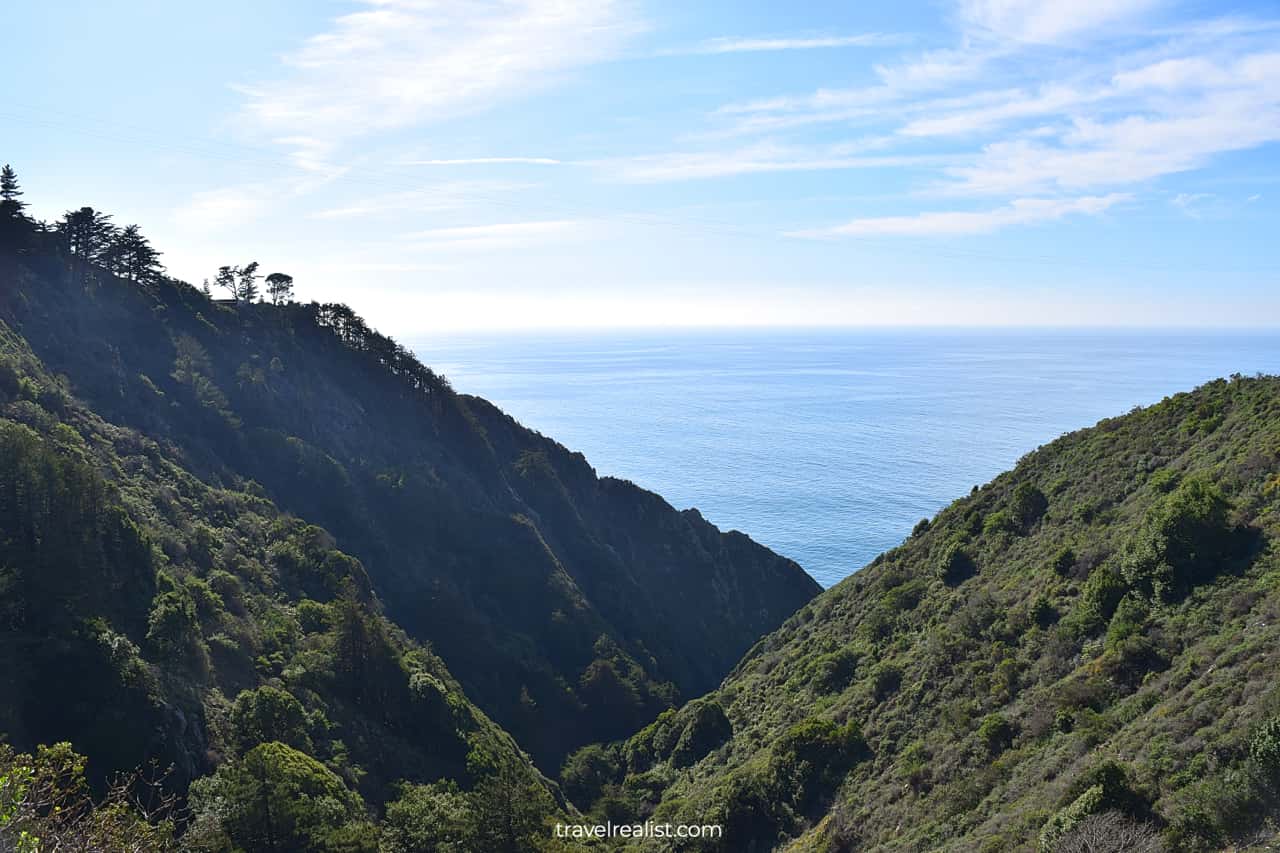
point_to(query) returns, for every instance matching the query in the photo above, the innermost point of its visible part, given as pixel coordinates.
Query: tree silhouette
(14, 225)
(226, 279)
(85, 233)
(280, 287)
(10, 206)
(247, 289)
(130, 255)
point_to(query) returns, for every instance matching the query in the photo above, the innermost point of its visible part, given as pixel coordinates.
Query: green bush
(956, 565)
(276, 799)
(834, 671)
(1264, 751)
(1062, 562)
(586, 773)
(1185, 540)
(433, 818)
(1027, 505)
(268, 714)
(707, 729)
(996, 734)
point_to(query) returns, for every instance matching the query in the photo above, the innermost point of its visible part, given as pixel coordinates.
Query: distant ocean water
(828, 446)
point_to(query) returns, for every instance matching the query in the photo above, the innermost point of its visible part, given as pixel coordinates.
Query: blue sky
(584, 163)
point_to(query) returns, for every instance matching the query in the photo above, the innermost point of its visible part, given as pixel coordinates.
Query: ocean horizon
(829, 445)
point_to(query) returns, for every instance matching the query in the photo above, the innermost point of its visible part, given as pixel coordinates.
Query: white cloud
(1051, 100)
(755, 159)
(1191, 203)
(1022, 211)
(448, 195)
(488, 161)
(758, 45)
(403, 62)
(213, 210)
(502, 235)
(1047, 21)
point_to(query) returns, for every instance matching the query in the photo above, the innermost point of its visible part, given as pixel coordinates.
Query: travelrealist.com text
(648, 829)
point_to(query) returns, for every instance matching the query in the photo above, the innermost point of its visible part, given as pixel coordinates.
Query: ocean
(828, 446)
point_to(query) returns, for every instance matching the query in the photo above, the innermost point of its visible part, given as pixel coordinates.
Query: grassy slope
(984, 701)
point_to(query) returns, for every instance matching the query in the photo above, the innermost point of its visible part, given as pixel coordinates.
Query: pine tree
(87, 237)
(10, 206)
(247, 290)
(134, 258)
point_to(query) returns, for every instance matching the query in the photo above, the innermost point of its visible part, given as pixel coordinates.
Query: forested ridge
(258, 555)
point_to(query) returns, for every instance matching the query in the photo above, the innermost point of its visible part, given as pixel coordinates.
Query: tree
(247, 289)
(10, 207)
(277, 799)
(226, 279)
(133, 257)
(204, 288)
(85, 234)
(268, 714)
(433, 818)
(46, 803)
(508, 808)
(280, 287)
(14, 225)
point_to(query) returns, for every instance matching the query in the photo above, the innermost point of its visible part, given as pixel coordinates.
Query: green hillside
(268, 565)
(571, 607)
(1088, 645)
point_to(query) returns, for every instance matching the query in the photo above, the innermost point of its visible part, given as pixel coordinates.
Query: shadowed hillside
(571, 607)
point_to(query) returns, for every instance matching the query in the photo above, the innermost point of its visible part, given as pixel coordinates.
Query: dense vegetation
(571, 608)
(1080, 655)
(204, 506)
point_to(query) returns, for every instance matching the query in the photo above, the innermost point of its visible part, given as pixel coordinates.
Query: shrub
(1264, 751)
(885, 681)
(1027, 505)
(707, 730)
(277, 798)
(996, 734)
(1062, 562)
(1043, 613)
(435, 818)
(586, 773)
(956, 565)
(834, 671)
(1099, 598)
(1110, 832)
(268, 714)
(1128, 620)
(1184, 541)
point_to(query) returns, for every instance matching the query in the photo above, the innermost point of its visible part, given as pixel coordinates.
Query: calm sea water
(828, 446)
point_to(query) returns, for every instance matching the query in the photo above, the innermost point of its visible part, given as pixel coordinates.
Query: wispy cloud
(715, 46)
(435, 198)
(755, 159)
(502, 235)
(1191, 203)
(488, 161)
(214, 210)
(1023, 211)
(1047, 21)
(399, 63)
